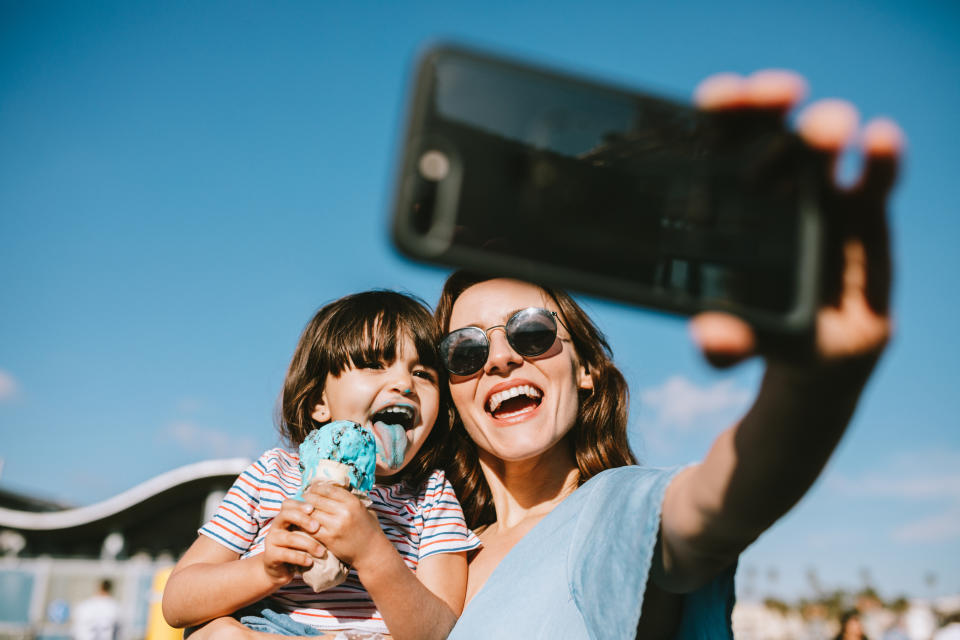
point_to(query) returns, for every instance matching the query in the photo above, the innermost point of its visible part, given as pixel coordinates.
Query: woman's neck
(529, 489)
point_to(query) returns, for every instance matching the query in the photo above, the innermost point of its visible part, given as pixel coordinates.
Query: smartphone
(512, 169)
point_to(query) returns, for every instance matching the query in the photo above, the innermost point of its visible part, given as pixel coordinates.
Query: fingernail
(883, 136)
(776, 87)
(829, 124)
(719, 91)
(699, 329)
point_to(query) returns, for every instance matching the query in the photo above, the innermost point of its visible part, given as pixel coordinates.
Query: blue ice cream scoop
(340, 441)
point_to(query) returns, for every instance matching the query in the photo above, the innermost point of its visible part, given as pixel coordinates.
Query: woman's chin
(515, 447)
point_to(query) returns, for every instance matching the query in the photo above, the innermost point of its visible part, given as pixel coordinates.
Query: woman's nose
(502, 357)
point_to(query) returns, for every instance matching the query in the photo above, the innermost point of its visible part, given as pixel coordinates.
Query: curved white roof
(50, 520)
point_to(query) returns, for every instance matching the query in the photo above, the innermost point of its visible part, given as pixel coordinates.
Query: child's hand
(347, 528)
(286, 549)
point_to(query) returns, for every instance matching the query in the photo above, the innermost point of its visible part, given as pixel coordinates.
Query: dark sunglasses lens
(532, 331)
(464, 351)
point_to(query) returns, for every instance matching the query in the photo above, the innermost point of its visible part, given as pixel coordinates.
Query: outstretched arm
(757, 470)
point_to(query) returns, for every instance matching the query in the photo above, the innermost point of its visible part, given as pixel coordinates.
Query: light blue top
(582, 570)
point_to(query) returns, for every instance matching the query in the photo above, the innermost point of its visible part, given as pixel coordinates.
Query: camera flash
(434, 165)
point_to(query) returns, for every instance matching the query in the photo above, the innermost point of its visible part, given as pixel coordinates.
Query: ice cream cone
(327, 571)
(342, 453)
(330, 471)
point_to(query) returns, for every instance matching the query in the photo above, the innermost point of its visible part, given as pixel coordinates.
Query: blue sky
(183, 184)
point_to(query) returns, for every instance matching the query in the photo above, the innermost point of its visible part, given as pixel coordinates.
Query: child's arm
(211, 581)
(422, 605)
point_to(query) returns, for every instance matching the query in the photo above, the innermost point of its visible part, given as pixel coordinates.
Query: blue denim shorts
(260, 618)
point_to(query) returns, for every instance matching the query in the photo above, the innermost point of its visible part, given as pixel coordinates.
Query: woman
(543, 414)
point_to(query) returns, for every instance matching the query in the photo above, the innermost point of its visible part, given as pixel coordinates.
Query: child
(370, 358)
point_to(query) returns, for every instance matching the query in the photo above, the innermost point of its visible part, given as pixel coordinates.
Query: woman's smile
(513, 401)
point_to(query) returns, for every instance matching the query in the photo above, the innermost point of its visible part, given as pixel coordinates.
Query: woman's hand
(346, 527)
(854, 324)
(758, 469)
(289, 546)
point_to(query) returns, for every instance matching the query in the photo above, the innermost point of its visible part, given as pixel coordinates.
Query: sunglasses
(530, 332)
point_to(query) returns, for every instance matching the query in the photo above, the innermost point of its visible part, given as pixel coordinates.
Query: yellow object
(157, 627)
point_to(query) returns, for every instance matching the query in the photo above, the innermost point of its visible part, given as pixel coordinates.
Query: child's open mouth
(390, 427)
(513, 402)
(400, 414)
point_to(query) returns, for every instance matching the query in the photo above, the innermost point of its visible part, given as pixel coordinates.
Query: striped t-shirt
(418, 523)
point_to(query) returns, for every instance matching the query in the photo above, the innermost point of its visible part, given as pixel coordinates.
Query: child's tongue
(391, 444)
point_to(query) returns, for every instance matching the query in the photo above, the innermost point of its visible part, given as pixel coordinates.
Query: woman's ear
(584, 378)
(321, 412)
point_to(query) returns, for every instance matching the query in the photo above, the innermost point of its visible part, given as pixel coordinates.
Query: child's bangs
(376, 338)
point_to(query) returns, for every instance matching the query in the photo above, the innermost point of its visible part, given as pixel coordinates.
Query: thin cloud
(937, 528)
(682, 404)
(205, 441)
(925, 485)
(914, 476)
(189, 405)
(682, 407)
(9, 387)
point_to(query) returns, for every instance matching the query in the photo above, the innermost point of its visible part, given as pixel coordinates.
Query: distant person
(97, 617)
(370, 358)
(851, 627)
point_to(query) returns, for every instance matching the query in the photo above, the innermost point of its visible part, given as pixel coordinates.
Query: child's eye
(426, 374)
(370, 365)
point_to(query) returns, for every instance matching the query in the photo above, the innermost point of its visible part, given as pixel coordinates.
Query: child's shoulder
(438, 489)
(436, 480)
(276, 461)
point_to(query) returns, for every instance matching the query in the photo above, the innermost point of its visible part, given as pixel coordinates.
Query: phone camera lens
(434, 165)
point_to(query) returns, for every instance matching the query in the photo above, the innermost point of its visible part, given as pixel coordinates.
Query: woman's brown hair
(357, 329)
(599, 438)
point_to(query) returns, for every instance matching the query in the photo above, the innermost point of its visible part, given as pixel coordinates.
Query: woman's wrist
(796, 402)
(834, 378)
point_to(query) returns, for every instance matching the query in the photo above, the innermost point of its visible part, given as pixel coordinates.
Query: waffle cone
(327, 571)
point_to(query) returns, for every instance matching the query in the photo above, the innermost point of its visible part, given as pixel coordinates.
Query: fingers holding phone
(854, 321)
(776, 90)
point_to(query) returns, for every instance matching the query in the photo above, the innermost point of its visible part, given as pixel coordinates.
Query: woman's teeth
(494, 402)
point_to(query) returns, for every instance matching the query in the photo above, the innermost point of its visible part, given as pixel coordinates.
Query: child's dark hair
(356, 329)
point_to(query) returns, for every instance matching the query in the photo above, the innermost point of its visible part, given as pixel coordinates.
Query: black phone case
(554, 239)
